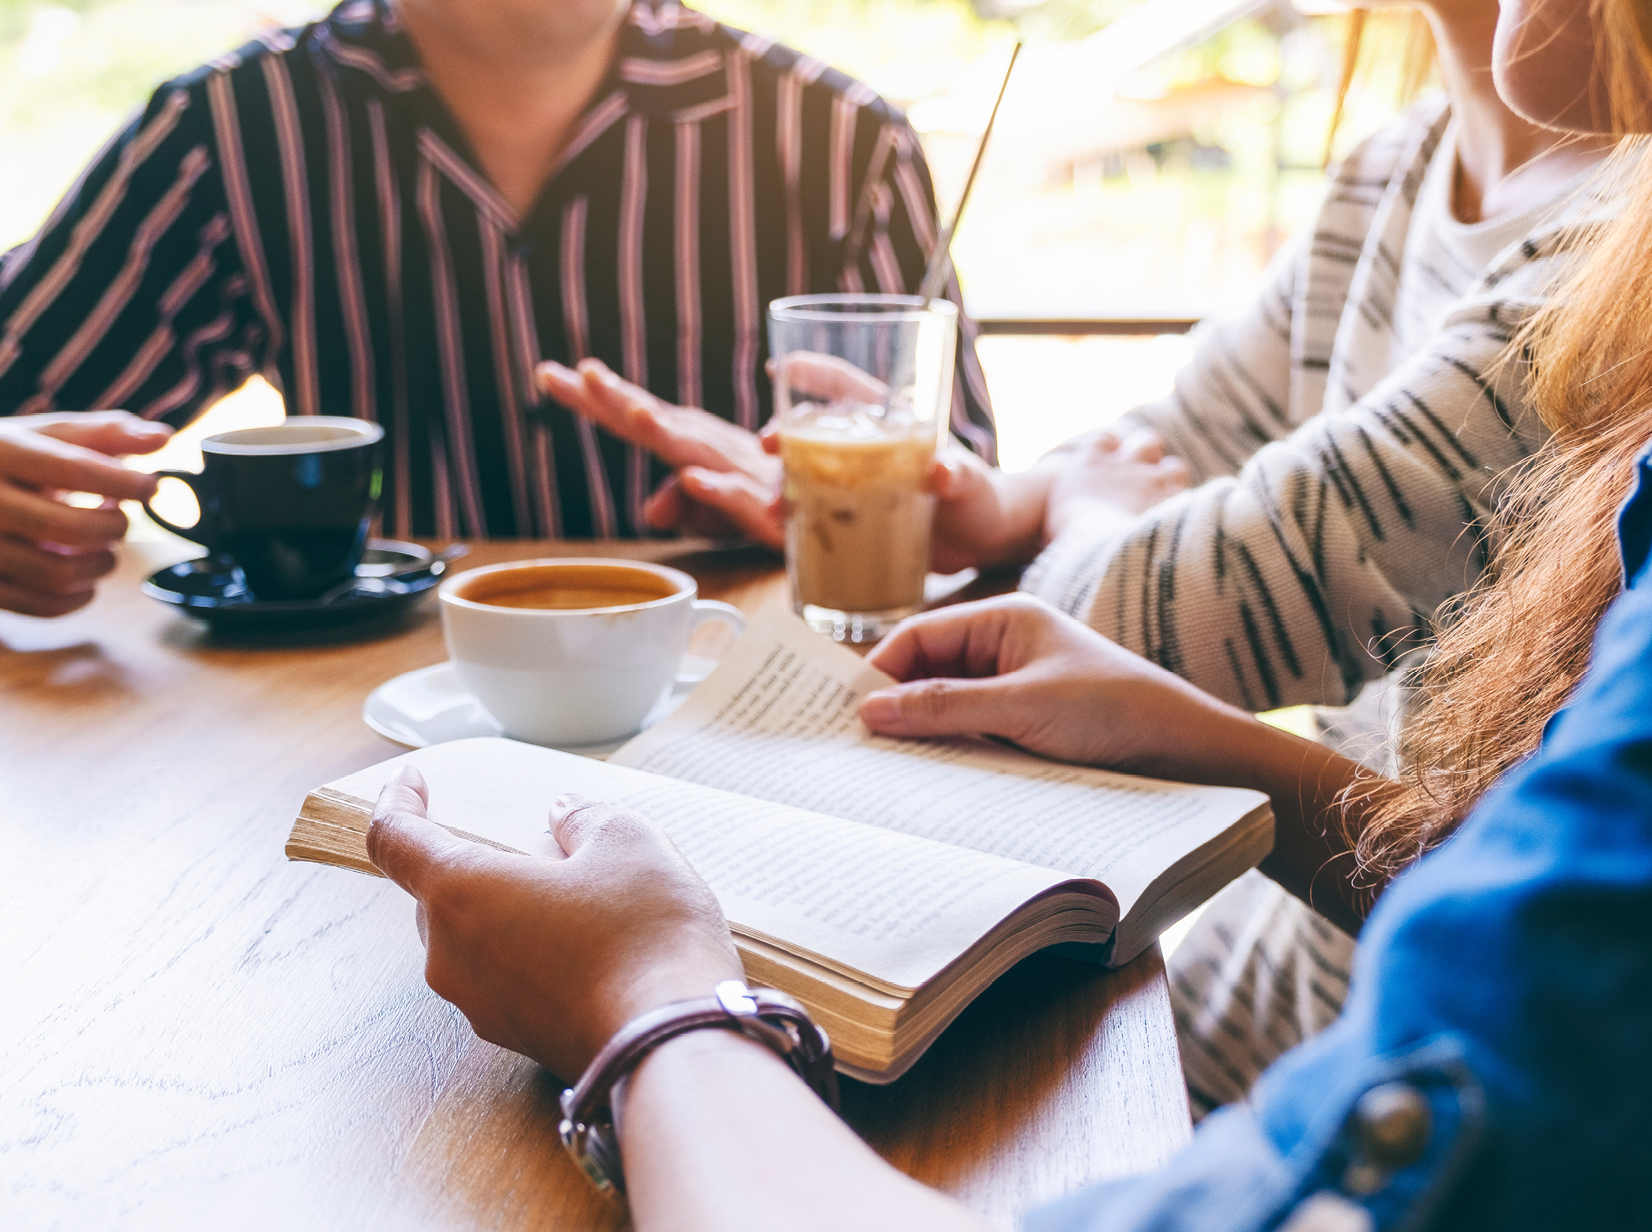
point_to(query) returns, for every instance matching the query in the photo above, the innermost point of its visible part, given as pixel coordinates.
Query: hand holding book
(549, 955)
(882, 882)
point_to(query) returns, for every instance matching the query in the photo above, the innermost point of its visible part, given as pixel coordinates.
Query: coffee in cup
(573, 651)
(290, 504)
(570, 588)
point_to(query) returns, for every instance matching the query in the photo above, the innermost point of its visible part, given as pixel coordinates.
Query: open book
(884, 883)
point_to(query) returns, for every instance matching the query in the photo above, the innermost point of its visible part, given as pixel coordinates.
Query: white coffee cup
(577, 650)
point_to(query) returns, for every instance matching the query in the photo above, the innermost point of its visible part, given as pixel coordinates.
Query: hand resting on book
(1017, 669)
(549, 955)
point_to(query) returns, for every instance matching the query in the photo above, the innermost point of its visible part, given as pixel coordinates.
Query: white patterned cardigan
(1340, 499)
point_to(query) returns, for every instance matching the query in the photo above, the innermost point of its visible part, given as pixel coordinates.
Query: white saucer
(430, 706)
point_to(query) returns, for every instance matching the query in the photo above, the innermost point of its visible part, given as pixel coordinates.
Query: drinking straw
(940, 260)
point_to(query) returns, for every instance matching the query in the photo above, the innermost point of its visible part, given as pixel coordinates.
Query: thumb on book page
(402, 842)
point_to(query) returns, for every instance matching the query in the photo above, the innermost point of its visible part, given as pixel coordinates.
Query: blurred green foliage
(106, 54)
(72, 71)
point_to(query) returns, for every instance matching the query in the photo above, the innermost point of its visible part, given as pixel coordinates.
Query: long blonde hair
(1387, 49)
(1511, 652)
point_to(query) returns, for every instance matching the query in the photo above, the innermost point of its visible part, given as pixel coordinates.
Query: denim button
(1393, 1123)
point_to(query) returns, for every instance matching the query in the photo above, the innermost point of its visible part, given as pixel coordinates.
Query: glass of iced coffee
(862, 398)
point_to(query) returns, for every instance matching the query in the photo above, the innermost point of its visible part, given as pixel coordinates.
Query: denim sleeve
(1504, 987)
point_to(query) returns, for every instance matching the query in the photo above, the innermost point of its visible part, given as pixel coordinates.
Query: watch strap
(771, 1018)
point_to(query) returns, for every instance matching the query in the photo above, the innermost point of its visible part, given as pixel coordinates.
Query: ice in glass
(863, 385)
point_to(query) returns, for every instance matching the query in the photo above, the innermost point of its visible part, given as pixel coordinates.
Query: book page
(865, 901)
(779, 720)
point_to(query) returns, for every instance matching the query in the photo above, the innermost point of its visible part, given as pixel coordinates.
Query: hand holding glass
(863, 387)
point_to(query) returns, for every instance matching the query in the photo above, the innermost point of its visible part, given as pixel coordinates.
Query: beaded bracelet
(771, 1018)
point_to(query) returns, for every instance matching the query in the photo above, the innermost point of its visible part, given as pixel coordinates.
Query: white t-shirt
(1444, 257)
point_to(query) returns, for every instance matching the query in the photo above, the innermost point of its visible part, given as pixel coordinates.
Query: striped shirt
(1360, 419)
(1259, 973)
(307, 209)
(1343, 478)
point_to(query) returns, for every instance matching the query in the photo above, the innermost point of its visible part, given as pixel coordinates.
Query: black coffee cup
(290, 504)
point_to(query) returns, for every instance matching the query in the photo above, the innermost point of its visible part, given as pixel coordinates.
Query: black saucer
(213, 589)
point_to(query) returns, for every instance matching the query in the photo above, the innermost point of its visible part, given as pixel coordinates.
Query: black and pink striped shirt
(306, 208)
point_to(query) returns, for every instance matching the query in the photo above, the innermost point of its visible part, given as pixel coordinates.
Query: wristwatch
(771, 1018)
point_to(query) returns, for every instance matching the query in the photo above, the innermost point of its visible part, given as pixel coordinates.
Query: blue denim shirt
(1503, 990)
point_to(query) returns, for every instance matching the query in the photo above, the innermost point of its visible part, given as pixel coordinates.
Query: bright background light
(1157, 189)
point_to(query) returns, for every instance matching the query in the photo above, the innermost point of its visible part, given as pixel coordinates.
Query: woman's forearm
(1311, 855)
(1224, 746)
(718, 1135)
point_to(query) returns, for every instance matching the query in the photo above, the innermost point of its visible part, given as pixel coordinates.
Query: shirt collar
(670, 65)
(367, 37)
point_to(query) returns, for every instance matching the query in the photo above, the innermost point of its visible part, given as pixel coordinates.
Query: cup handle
(192, 533)
(711, 611)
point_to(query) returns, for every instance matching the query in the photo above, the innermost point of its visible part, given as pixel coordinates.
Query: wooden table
(197, 1032)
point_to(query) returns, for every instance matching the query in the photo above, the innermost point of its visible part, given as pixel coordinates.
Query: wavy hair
(1512, 650)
